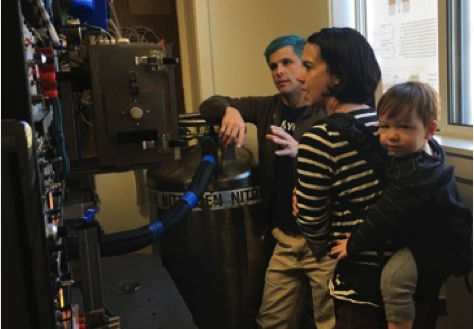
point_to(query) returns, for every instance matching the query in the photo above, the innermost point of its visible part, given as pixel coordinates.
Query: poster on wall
(404, 36)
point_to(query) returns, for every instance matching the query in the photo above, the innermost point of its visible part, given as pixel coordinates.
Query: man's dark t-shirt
(285, 179)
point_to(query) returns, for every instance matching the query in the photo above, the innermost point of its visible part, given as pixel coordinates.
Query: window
(460, 70)
(417, 40)
(404, 36)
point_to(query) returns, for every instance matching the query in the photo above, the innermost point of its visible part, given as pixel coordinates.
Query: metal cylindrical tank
(215, 256)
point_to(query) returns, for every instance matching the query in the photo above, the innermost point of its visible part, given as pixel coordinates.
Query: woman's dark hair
(350, 57)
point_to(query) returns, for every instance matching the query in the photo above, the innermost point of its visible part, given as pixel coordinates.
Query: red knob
(46, 68)
(47, 76)
(46, 51)
(51, 93)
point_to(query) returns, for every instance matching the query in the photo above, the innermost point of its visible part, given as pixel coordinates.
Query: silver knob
(136, 112)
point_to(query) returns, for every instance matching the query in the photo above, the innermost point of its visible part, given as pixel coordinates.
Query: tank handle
(228, 153)
(192, 126)
(192, 120)
(187, 120)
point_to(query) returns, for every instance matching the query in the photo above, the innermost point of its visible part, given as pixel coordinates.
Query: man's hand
(232, 128)
(289, 146)
(294, 204)
(340, 249)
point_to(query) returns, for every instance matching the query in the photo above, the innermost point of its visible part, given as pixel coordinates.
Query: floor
(137, 288)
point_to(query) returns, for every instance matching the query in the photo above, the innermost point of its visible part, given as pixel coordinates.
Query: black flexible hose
(120, 243)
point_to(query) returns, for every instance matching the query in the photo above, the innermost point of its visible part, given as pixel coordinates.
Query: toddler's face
(404, 134)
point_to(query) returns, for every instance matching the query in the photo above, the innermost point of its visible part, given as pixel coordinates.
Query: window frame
(449, 66)
(448, 52)
(454, 30)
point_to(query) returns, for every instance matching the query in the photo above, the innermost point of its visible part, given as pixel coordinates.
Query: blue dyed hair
(293, 40)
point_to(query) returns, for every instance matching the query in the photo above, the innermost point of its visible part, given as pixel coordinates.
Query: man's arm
(213, 109)
(232, 113)
(250, 108)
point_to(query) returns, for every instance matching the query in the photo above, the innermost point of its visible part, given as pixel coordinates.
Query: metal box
(134, 103)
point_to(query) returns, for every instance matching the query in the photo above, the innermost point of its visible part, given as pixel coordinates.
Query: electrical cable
(92, 27)
(114, 15)
(61, 146)
(115, 28)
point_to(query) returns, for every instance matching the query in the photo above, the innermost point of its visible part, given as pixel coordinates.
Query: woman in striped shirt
(336, 185)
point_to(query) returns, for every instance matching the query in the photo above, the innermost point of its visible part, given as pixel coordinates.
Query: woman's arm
(315, 170)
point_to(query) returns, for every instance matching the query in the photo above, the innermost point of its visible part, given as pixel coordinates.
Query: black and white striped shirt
(336, 186)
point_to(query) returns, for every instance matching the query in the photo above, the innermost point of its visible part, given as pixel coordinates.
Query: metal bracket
(156, 60)
(162, 143)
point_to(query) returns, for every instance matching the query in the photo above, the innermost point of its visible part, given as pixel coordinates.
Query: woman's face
(315, 77)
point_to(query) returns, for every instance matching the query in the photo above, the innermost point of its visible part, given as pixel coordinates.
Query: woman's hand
(289, 145)
(340, 249)
(232, 128)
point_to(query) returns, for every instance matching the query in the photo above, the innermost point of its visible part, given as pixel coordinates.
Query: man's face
(314, 77)
(285, 66)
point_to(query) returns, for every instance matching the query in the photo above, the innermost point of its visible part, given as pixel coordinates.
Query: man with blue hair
(281, 120)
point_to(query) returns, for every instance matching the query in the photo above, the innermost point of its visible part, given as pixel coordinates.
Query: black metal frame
(26, 274)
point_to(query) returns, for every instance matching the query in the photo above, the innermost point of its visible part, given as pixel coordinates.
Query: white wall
(230, 39)
(123, 201)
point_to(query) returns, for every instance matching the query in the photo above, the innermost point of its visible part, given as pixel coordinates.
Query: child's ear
(431, 129)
